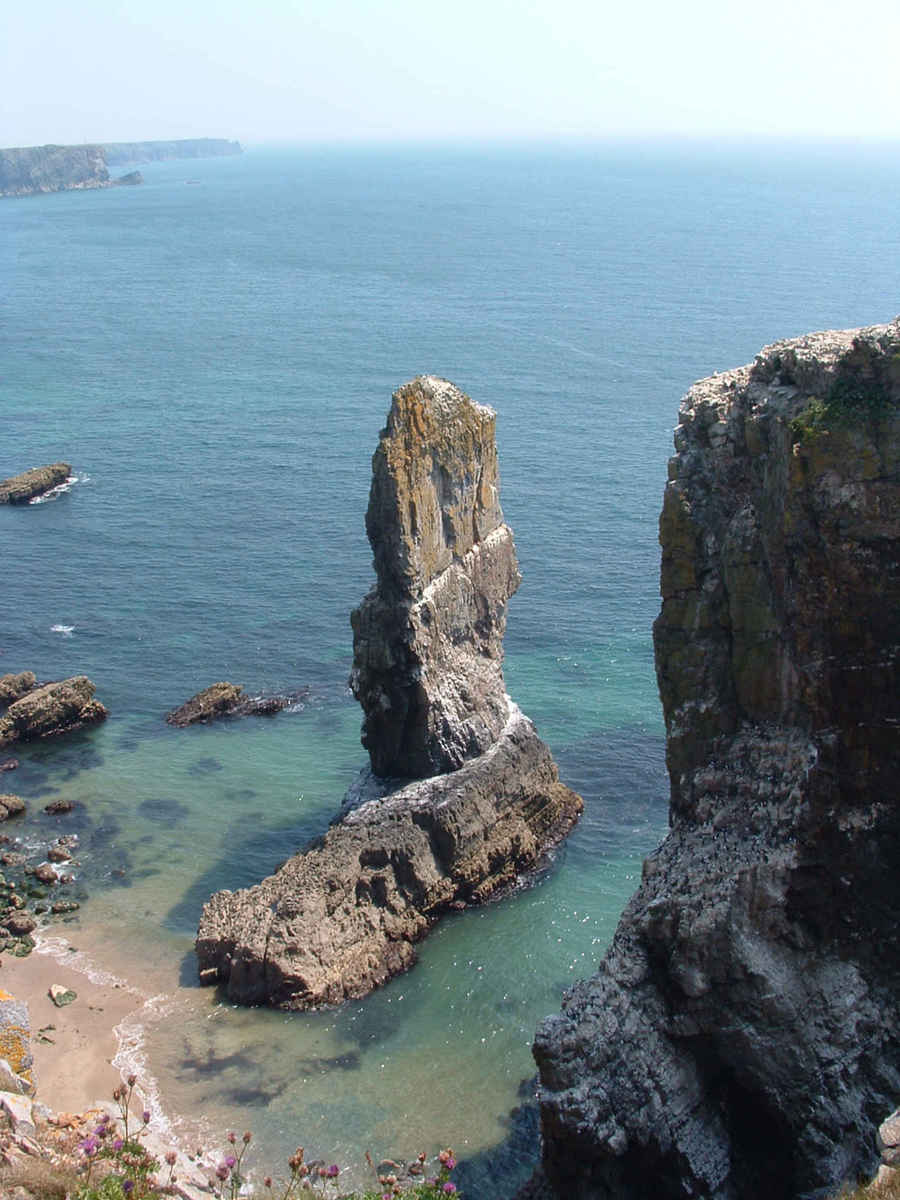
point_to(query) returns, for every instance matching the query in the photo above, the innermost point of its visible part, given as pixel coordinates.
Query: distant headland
(29, 170)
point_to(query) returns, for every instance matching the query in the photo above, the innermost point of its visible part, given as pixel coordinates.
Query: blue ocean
(214, 352)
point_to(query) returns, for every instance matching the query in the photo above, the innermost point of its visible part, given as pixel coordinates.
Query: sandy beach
(75, 1048)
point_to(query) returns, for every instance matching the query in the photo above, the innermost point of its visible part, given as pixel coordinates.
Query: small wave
(65, 630)
(60, 488)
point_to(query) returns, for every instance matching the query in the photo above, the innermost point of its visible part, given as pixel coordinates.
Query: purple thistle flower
(146, 1115)
(127, 1185)
(89, 1145)
(333, 1171)
(118, 1144)
(449, 1188)
(222, 1171)
(230, 1160)
(450, 1164)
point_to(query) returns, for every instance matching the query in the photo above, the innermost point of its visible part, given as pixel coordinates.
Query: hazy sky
(105, 70)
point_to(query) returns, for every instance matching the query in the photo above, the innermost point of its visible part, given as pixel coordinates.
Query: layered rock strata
(21, 488)
(741, 1038)
(482, 802)
(51, 709)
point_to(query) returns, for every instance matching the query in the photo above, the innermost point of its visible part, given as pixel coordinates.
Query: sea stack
(741, 1038)
(463, 795)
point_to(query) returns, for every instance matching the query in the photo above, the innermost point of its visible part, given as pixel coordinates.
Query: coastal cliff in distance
(742, 1035)
(30, 170)
(463, 795)
(118, 153)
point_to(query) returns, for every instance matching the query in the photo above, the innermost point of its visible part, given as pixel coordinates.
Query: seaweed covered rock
(742, 1035)
(485, 801)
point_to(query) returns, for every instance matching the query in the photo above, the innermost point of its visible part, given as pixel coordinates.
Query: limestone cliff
(485, 803)
(741, 1038)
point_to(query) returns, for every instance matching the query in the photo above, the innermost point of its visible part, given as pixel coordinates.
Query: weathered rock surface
(14, 687)
(55, 708)
(742, 1036)
(428, 639)
(19, 489)
(486, 802)
(343, 917)
(228, 700)
(10, 805)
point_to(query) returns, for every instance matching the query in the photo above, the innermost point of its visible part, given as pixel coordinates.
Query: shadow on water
(498, 1172)
(256, 852)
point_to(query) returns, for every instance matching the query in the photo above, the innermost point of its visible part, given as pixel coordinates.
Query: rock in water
(485, 802)
(428, 639)
(54, 708)
(22, 488)
(741, 1038)
(228, 700)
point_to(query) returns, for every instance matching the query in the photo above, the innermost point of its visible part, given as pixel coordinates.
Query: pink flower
(146, 1115)
(230, 1160)
(449, 1188)
(333, 1171)
(222, 1171)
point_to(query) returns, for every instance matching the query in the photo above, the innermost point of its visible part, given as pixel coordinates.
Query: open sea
(215, 352)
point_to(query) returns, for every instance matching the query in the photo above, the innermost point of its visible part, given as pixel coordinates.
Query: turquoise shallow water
(216, 361)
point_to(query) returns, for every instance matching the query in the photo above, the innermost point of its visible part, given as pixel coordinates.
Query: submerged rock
(51, 709)
(485, 802)
(228, 700)
(741, 1038)
(21, 488)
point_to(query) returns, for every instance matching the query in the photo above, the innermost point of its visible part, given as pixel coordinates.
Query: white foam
(65, 630)
(56, 492)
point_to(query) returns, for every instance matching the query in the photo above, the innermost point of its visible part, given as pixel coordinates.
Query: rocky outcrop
(228, 700)
(741, 1036)
(21, 488)
(485, 802)
(54, 708)
(428, 639)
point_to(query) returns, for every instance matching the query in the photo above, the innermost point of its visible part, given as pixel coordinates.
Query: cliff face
(32, 169)
(485, 803)
(741, 1036)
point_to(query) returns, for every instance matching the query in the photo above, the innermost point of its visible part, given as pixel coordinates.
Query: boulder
(742, 1031)
(479, 798)
(19, 489)
(10, 806)
(52, 709)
